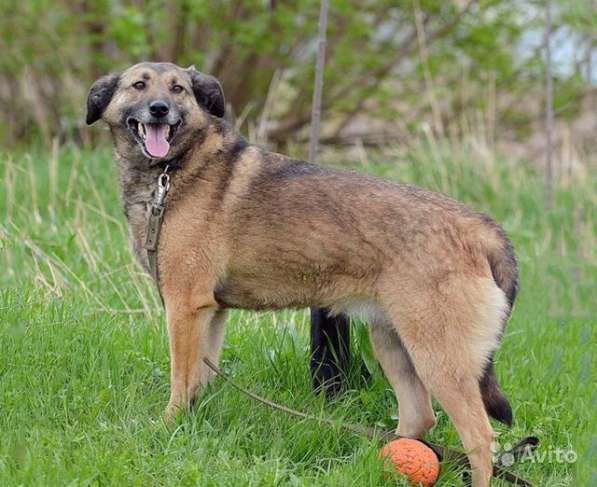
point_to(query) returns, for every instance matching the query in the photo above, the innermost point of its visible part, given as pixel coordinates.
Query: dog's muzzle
(154, 137)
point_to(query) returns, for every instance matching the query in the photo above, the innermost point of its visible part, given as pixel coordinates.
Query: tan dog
(246, 228)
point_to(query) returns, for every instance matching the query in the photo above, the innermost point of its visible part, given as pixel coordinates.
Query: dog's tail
(495, 402)
(504, 267)
(504, 270)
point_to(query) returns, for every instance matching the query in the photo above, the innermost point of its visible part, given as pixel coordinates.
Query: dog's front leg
(189, 334)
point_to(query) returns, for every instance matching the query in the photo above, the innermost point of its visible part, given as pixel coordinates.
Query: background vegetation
(392, 66)
(445, 94)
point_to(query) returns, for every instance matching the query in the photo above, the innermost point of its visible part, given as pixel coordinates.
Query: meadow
(84, 355)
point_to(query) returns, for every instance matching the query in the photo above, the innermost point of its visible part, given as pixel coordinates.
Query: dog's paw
(170, 414)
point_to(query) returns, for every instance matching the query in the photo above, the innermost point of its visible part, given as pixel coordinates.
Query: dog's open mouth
(155, 137)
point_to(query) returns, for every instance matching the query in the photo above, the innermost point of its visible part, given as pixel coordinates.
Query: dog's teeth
(168, 131)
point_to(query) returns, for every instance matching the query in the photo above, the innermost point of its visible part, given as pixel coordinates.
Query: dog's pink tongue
(155, 142)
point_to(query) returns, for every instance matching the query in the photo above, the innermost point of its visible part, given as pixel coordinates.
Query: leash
(449, 455)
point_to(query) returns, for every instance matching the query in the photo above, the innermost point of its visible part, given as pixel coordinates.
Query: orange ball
(414, 459)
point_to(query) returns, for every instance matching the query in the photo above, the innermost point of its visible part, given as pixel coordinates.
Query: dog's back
(319, 233)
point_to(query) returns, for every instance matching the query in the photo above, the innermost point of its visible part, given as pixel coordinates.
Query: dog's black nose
(159, 108)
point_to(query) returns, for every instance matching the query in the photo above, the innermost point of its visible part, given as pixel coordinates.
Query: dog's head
(154, 109)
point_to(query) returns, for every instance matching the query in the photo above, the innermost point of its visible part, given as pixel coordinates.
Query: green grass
(84, 356)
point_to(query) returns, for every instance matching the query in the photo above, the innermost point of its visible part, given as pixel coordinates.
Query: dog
(251, 229)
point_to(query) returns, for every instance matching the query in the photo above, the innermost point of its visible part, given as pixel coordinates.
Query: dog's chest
(137, 218)
(137, 193)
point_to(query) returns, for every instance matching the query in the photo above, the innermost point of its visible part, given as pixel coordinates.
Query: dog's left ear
(208, 92)
(99, 97)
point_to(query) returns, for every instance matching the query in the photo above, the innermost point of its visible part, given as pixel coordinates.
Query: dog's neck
(198, 165)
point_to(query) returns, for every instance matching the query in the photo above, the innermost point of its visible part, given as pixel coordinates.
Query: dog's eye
(139, 85)
(177, 89)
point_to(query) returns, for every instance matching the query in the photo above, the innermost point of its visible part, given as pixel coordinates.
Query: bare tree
(549, 149)
(319, 68)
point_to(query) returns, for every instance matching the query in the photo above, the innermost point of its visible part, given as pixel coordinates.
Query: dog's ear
(99, 97)
(208, 92)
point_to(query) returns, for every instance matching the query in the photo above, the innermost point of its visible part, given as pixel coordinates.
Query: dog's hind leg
(415, 415)
(449, 335)
(459, 395)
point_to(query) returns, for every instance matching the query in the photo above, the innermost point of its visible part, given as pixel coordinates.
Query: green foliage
(53, 50)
